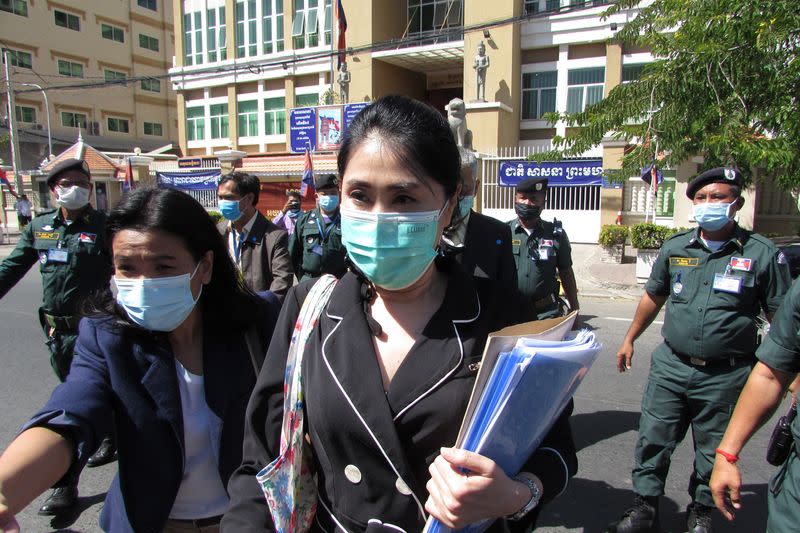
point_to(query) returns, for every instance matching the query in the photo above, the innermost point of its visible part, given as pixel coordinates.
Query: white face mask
(73, 197)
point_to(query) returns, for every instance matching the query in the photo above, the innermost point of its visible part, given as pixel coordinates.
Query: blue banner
(197, 180)
(302, 129)
(350, 112)
(559, 173)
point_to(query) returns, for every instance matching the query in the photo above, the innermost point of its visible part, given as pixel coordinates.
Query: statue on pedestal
(344, 82)
(457, 118)
(481, 65)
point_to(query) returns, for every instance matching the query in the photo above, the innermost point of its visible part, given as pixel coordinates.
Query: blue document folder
(525, 392)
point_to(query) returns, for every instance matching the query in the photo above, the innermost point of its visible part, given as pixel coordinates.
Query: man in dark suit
(258, 247)
(481, 244)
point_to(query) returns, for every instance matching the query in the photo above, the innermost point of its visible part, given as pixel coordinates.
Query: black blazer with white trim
(372, 448)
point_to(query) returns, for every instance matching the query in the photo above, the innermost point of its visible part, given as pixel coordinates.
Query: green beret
(728, 175)
(325, 181)
(67, 164)
(532, 185)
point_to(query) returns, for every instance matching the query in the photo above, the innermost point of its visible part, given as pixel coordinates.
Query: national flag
(129, 183)
(4, 181)
(652, 176)
(341, 21)
(307, 183)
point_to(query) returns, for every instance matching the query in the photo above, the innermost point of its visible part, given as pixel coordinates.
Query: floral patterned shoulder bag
(288, 482)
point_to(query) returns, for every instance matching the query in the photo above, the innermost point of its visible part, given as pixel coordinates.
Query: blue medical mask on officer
(712, 216)
(328, 202)
(230, 209)
(465, 204)
(157, 304)
(393, 250)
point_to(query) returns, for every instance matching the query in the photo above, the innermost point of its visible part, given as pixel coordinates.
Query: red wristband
(731, 458)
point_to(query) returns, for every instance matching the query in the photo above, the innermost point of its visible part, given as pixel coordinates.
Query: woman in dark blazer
(166, 365)
(390, 366)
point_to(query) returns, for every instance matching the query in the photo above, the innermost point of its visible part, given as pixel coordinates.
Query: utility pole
(12, 124)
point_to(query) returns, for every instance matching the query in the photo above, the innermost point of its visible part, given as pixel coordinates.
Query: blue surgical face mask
(712, 216)
(157, 304)
(392, 250)
(230, 209)
(465, 204)
(328, 202)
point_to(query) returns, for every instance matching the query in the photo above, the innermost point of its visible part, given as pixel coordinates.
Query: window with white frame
(305, 24)
(632, 72)
(248, 118)
(73, 120)
(17, 7)
(246, 28)
(275, 116)
(195, 124)
(152, 85)
(215, 34)
(119, 125)
(25, 114)
(113, 75)
(305, 100)
(538, 93)
(585, 88)
(153, 128)
(192, 38)
(218, 118)
(272, 25)
(328, 27)
(68, 68)
(434, 15)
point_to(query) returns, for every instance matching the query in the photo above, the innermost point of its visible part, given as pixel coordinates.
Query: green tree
(725, 85)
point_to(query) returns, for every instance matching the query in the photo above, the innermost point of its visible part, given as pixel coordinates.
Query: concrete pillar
(288, 84)
(177, 11)
(613, 67)
(612, 200)
(233, 122)
(228, 159)
(180, 108)
(141, 169)
(230, 28)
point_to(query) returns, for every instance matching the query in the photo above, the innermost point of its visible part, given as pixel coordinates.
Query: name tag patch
(515, 242)
(729, 284)
(57, 255)
(684, 261)
(544, 254)
(46, 235)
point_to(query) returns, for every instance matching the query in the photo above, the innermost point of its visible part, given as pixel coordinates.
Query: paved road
(607, 410)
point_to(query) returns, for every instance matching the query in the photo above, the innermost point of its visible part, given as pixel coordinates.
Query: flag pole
(334, 24)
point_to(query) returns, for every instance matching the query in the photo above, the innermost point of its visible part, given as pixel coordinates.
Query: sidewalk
(604, 280)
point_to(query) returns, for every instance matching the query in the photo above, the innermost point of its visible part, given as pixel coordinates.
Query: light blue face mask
(230, 209)
(392, 250)
(465, 204)
(712, 216)
(328, 202)
(157, 304)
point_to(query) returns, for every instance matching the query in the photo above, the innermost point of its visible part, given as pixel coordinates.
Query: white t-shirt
(202, 493)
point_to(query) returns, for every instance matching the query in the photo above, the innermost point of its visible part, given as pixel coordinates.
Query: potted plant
(612, 243)
(647, 238)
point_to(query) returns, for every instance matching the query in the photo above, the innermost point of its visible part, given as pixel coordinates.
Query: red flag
(4, 181)
(307, 183)
(129, 183)
(341, 21)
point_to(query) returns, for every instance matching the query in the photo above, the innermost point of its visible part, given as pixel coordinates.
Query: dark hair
(226, 302)
(415, 131)
(292, 193)
(244, 183)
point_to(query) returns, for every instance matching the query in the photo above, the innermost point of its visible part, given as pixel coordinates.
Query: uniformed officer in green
(541, 251)
(714, 280)
(69, 245)
(316, 245)
(778, 364)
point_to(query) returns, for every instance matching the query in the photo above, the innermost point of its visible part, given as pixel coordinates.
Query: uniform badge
(43, 258)
(744, 264)
(545, 242)
(781, 258)
(310, 239)
(730, 174)
(677, 287)
(88, 237)
(47, 227)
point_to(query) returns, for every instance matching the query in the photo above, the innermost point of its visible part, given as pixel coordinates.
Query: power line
(326, 54)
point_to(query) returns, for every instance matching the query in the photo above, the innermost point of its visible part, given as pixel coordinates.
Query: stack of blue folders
(523, 397)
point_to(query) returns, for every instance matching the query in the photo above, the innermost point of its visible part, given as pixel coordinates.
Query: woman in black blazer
(390, 366)
(166, 362)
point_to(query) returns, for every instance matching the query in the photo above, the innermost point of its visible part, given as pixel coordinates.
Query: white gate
(577, 207)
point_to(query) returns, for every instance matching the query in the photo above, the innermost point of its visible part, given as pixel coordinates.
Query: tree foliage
(725, 84)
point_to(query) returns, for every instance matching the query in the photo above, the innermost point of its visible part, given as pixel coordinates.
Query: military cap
(325, 181)
(728, 175)
(68, 164)
(532, 185)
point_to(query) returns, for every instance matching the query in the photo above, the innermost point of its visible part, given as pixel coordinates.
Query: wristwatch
(536, 495)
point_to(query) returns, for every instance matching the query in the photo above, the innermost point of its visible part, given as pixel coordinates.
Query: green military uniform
(710, 337)
(316, 246)
(539, 256)
(781, 351)
(74, 261)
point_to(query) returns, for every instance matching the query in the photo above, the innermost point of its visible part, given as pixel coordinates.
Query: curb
(607, 290)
